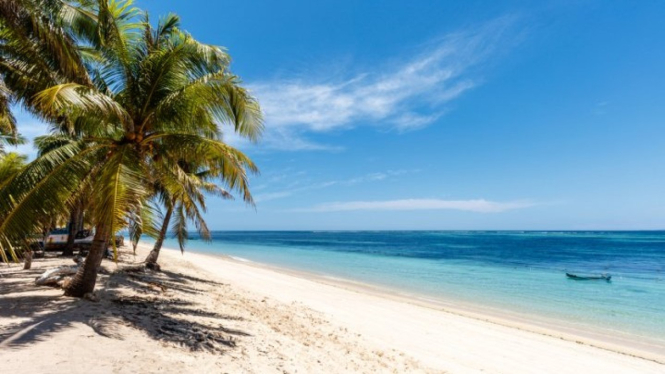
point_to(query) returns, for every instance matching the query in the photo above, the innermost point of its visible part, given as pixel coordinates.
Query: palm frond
(179, 227)
(76, 100)
(119, 189)
(135, 113)
(142, 222)
(43, 188)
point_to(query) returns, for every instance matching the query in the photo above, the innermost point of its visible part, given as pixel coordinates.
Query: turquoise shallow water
(516, 272)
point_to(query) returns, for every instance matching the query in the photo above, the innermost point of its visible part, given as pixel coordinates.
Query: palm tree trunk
(73, 229)
(80, 217)
(28, 259)
(154, 254)
(83, 281)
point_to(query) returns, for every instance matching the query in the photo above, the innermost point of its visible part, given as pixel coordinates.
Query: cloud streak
(402, 96)
(477, 205)
(371, 177)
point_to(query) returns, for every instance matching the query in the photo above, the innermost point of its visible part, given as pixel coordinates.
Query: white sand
(289, 324)
(438, 339)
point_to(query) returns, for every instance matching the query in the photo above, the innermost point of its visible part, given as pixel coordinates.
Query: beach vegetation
(10, 164)
(140, 125)
(183, 205)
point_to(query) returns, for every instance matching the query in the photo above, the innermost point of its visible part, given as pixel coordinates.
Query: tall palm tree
(158, 98)
(187, 202)
(38, 49)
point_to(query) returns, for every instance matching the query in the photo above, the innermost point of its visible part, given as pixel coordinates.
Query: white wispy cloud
(294, 189)
(272, 196)
(403, 96)
(477, 205)
(279, 139)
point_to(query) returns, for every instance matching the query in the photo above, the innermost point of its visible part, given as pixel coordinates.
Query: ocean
(514, 273)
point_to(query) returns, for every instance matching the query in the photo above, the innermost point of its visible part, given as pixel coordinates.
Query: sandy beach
(360, 186)
(209, 314)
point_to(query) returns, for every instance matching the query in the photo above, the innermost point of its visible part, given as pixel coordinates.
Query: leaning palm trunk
(83, 281)
(73, 229)
(154, 254)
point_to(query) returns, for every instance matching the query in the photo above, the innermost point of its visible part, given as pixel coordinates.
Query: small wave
(240, 259)
(338, 279)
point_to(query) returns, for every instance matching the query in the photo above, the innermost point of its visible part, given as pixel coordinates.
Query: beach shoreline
(615, 342)
(371, 293)
(269, 321)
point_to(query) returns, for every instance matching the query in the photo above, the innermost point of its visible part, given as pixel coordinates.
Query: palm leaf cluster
(136, 112)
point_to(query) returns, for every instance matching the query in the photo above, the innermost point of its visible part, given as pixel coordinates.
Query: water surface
(518, 272)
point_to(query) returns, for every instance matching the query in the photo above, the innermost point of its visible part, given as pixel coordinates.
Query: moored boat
(605, 277)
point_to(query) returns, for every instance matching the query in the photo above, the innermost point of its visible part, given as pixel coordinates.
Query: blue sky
(445, 115)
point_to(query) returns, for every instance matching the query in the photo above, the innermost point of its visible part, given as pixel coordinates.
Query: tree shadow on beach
(17, 280)
(182, 278)
(157, 303)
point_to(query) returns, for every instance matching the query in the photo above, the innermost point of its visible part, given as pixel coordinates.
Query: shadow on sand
(158, 303)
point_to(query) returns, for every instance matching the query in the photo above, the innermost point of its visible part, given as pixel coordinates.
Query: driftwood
(140, 268)
(55, 276)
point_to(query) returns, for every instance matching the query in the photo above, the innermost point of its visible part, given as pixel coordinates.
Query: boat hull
(589, 277)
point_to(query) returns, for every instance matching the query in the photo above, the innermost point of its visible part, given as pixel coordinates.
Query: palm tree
(158, 99)
(187, 202)
(10, 164)
(78, 204)
(38, 49)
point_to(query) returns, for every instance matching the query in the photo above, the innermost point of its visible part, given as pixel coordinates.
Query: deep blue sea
(521, 273)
